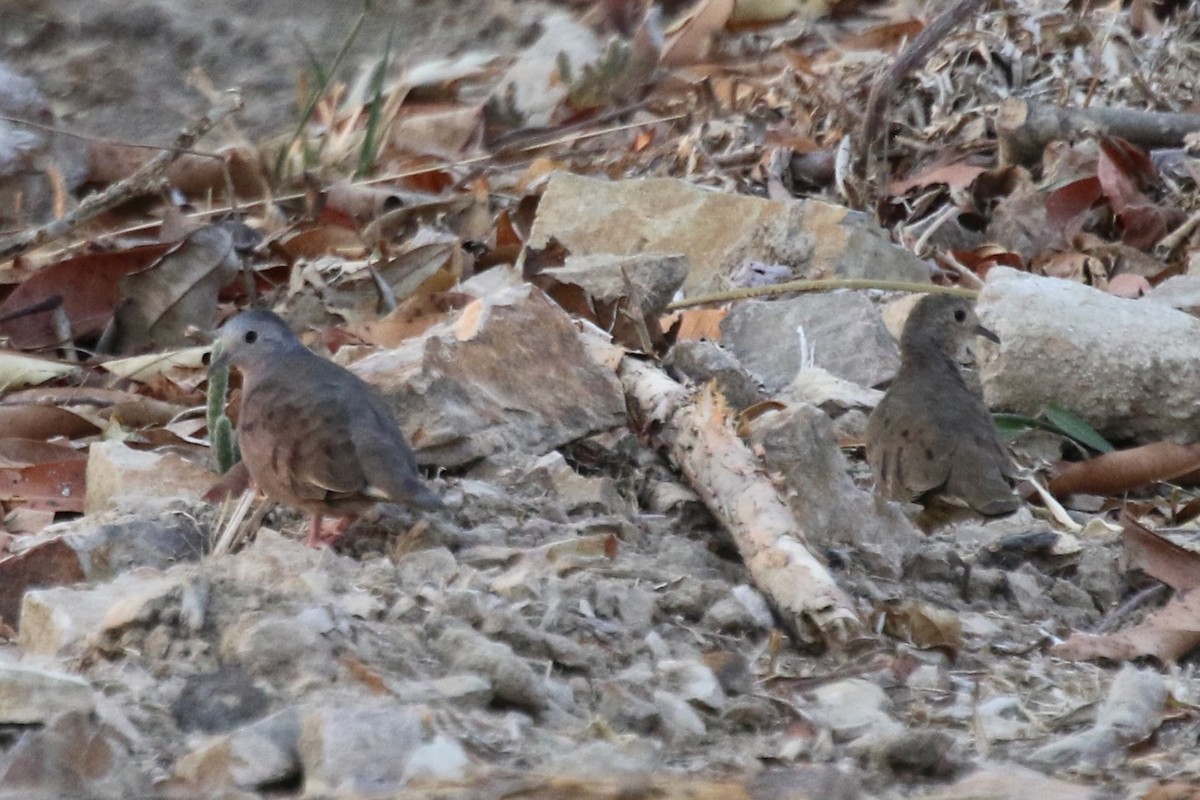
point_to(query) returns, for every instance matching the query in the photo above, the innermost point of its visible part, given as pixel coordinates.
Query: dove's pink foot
(321, 535)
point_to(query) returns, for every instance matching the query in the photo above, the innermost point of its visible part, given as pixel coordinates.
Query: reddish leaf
(51, 563)
(57, 486)
(87, 285)
(1124, 470)
(1067, 206)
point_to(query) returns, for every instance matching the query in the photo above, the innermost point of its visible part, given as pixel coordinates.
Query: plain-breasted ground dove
(931, 436)
(314, 435)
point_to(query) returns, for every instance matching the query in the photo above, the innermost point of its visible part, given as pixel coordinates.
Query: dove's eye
(959, 316)
(251, 337)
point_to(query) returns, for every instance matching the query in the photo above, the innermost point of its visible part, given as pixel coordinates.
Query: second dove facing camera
(931, 437)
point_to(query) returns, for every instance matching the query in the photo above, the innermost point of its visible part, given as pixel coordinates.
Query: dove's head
(252, 338)
(942, 322)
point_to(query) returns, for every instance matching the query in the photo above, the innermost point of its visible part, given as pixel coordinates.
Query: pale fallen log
(701, 442)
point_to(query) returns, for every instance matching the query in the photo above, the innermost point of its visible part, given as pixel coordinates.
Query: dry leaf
(1124, 470)
(690, 40)
(170, 302)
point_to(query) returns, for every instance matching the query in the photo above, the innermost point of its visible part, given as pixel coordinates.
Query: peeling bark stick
(96, 204)
(909, 59)
(732, 483)
(1024, 128)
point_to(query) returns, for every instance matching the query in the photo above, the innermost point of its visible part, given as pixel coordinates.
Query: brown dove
(312, 434)
(931, 437)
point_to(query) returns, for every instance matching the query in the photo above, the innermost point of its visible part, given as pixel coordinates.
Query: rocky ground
(608, 605)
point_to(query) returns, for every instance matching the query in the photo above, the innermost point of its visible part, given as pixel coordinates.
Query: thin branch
(116, 193)
(819, 286)
(886, 84)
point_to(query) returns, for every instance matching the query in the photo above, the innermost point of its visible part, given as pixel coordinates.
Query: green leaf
(1075, 427)
(1010, 426)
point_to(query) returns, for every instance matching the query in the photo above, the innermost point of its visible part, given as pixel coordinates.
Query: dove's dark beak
(986, 333)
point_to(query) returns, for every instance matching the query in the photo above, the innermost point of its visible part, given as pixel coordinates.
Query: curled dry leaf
(144, 368)
(171, 301)
(958, 175)
(19, 370)
(556, 557)
(1129, 286)
(1159, 557)
(1124, 470)
(924, 625)
(43, 422)
(324, 240)
(448, 131)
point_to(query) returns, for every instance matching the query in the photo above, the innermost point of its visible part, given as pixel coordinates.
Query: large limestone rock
(718, 232)
(1129, 367)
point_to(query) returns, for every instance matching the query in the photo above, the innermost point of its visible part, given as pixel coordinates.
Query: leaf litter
(457, 153)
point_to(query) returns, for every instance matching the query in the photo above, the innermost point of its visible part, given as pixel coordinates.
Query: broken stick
(731, 481)
(1024, 128)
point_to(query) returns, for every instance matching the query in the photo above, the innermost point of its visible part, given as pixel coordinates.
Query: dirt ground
(125, 70)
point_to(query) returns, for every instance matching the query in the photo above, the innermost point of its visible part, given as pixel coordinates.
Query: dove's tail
(421, 496)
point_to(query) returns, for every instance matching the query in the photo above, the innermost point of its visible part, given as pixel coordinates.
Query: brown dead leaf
(89, 405)
(431, 261)
(695, 324)
(1067, 207)
(324, 240)
(169, 302)
(34, 421)
(922, 624)
(52, 486)
(21, 453)
(983, 258)
(884, 37)
(1159, 557)
(411, 318)
(958, 175)
(1172, 790)
(447, 130)
(1165, 634)
(1124, 470)
(1073, 266)
(368, 677)
(83, 287)
(362, 202)
(691, 39)
(50, 563)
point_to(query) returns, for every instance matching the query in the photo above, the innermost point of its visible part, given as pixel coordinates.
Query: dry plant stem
(1118, 615)
(1024, 128)
(819, 286)
(702, 444)
(124, 189)
(910, 58)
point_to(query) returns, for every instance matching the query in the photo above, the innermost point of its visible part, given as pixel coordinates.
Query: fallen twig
(701, 442)
(1024, 128)
(116, 193)
(825, 284)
